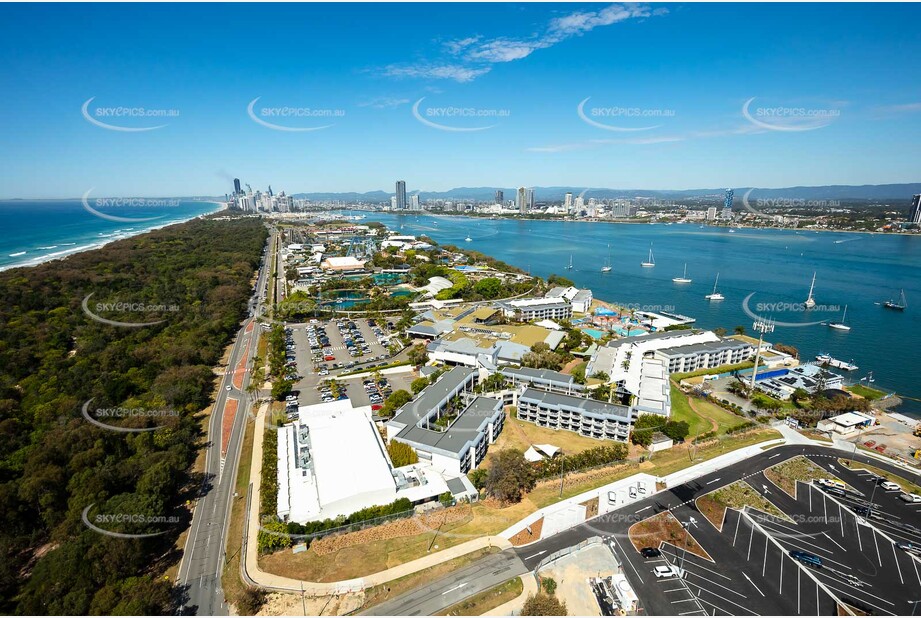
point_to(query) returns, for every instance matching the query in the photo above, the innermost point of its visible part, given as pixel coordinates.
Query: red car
(870, 443)
(329, 357)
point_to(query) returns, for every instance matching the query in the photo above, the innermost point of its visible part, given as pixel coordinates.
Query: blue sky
(837, 96)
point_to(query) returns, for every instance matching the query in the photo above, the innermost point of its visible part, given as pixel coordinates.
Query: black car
(650, 552)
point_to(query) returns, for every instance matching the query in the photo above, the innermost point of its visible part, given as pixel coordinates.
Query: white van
(890, 486)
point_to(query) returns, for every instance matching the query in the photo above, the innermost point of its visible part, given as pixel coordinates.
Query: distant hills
(890, 192)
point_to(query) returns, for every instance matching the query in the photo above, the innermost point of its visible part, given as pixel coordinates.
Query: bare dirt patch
(736, 496)
(664, 528)
(786, 473)
(523, 537)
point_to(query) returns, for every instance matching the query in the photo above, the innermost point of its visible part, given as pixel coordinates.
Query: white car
(907, 497)
(668, 571)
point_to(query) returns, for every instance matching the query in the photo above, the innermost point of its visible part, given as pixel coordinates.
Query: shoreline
(64, 254)
(619, 221)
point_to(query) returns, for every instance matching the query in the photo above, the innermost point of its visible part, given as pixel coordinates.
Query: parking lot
(319, 351)
(830, 546)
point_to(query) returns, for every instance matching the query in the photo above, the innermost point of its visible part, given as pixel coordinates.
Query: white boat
(842, 325)
(607, 265)
(650, 261)
(898, 305)
(570, 262)
(468, 239)
(827, 359)
(714, 295)
(810, 301)
(683, 278)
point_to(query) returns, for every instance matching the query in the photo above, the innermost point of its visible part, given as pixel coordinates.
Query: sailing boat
(714, 295)
(810, 301)
(570, 262)
(897, 305)
(650, 261)
(683, 278)
(468, 239)
(607, 265)
(840, 325)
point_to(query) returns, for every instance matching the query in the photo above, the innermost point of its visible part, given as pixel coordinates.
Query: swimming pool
(594, 333)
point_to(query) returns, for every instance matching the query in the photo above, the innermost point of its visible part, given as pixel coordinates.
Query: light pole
(686, 527)
(562, 463)
(762, 327)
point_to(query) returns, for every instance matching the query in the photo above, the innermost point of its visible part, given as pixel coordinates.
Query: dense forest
(193, 280)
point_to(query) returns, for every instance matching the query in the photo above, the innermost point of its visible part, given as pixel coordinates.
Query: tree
(719, 332)
(488, 288)
(478, 477)
(446, 499)
(418, 384)
(560, 281)
(401, 454)
(739, 330)
(549, 584)
(397, 400)
(677, 430)
(578, 373)
(509, 476)
(601, 375)
(543, 605)
(418, 355)
(787, 349)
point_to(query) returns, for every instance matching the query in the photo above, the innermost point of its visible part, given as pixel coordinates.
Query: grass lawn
(480, 603)
(785, 474)
(522, 434)
(907, 485)
(866, 392)
(701, 415)
(736, 496)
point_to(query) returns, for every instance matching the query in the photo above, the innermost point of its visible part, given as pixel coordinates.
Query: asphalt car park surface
(752, 571)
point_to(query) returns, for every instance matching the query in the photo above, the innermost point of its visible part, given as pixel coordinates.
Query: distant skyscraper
(530, 199)
(270, 191)
(914, 215)
(522, 201)
(414, 201)
(401, 195)
(567, 203)
(711, 213)
(236, 187)
(727, 205)
(500, 196)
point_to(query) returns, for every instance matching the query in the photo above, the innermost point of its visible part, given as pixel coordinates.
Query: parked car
(907, 497)
(668, 571)
(890, 486)
(806, 558)
(650, 552)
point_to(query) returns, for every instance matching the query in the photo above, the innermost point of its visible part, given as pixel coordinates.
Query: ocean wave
(17, 254)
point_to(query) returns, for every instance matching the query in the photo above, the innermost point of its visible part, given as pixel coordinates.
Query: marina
(767, 263)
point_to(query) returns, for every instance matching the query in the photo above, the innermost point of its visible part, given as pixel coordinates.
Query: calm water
(38, 230)
(857, 270)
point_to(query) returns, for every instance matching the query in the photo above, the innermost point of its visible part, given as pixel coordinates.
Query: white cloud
(477, 54)
(384, 102)
(456, 72)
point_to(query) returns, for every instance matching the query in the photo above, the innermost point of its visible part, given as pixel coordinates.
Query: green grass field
(707, 417)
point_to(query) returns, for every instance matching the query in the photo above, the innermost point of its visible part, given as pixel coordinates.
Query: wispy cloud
(647, 139)
(473, 55)
(903, 108)
(458, 73)
(384, 102)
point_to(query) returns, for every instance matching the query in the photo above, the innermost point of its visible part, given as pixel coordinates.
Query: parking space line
(876, 540)
(745, 609)
(865, 601)
(897, 565)
(781, 573)
(754, 585)
(764, 564)
(841, 519)
(797, 591)
(825, 507)
(750, 544)
(673, 590)
(859, 540)
(825, 534)
(914, 563)
(714, 583)
(738, 521)
(699, 566)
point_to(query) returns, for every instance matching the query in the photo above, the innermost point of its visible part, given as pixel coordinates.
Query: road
(203, 556)
(454, 587)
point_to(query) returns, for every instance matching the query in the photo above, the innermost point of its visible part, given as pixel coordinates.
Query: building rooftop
(588, 407)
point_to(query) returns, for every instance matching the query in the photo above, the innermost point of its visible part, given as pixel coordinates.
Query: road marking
(713, 481)
(738, 521)
(825, 534)
(798, 591)
(457, 587)
(536, 555)
(745, 575)
(914, 563)
(764, 566)
(773, 456)
(841, 519)
(644, 508)
(750, 543)
(878, 556)
(897, 564)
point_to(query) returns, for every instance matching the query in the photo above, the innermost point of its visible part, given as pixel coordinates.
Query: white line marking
(773, 456)
(897, 564)
(539, 553)
(825, 534)
(644, 508)
(738, 521)
(713, 481)
(753, 583)
(457, 587)
(876, 540)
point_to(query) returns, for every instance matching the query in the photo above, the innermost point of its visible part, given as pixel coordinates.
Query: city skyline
(617, 95)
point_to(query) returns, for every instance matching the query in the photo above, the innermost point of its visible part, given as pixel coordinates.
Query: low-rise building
(341, 264)
(809, 377)
(459, 444)
(530, 309)
(706, 354)
(580, 300)
(847, 424)
(594, 419)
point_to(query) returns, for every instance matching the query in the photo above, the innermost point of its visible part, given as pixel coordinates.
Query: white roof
(549, 324)
(532, 455)
(344, 261)
(437, 284)
(850, 419)
(547, 449)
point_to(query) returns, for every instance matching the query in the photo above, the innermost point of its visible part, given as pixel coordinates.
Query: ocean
(42, 230)
(774, 266)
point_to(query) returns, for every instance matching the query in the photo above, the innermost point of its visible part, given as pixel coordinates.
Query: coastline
(74, 249)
